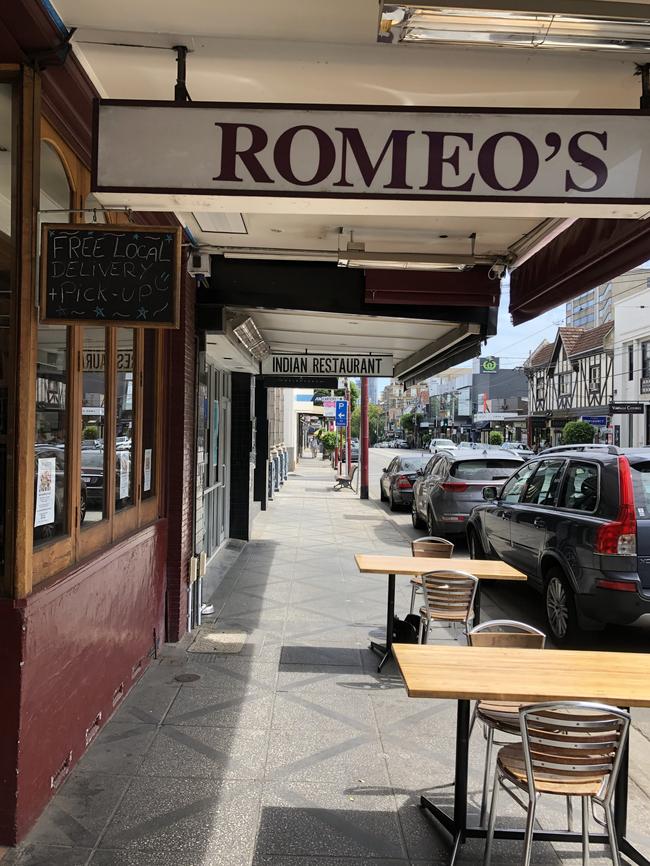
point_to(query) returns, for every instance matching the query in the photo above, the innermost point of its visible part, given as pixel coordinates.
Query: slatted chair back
(429, 545)
(507, 633)
(449, 595)
(573, 742)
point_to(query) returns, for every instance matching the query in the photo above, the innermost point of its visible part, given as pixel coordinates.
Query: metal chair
(429, 545)
(570, 749)
(448, 597)
(501, 716)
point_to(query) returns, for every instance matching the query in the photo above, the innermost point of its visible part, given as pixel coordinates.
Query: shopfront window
(50, 497)
(149, 414)
(124, 419)
(93, 395)
(6, 280)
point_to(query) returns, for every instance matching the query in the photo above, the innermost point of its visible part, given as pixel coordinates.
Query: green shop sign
(489, 365)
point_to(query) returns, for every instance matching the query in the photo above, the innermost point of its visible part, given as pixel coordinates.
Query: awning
(470, 288)
(587, 254)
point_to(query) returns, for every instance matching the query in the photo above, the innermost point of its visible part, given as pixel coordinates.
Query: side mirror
(385, 469)
(419, 472)
(490, 493)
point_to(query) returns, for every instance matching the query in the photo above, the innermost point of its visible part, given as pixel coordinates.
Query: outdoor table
(527, 676)
(413, 566)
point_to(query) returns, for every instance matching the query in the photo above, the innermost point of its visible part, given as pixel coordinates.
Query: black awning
(587, 254)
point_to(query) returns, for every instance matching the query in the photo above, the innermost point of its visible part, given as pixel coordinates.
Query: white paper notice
(45, 491)
(124, 458)
(147, 469)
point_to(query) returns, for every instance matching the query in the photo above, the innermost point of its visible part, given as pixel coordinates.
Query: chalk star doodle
(136, 236)
(142, 313)
(99, 312)
(168, 237)
(61, 311)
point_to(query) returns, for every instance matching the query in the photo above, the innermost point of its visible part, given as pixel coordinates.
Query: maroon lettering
(438, 160)
(587, 160)
(326, 155)
(529, 161)
(397, 140)
(230, 152)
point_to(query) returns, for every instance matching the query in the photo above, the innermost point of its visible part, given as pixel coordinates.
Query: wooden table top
(412, 565)
(526, 675)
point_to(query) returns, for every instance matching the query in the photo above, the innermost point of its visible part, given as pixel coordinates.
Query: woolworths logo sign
(489, 365)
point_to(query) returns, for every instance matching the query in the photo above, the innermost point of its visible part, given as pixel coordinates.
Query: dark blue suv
(577, 522)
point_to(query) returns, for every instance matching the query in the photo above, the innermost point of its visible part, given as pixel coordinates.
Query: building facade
(591, 308)
(632, 363)
(571, 379)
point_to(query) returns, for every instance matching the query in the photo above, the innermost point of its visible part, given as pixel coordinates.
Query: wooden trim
(109, 424)
(24, 344)
(137, 412)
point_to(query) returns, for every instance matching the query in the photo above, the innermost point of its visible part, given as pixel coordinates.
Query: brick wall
(181, 408)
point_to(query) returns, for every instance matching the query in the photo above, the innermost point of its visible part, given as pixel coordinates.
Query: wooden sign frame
(104, 228)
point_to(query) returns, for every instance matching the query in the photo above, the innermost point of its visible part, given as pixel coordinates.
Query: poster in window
(123, 459)
(45, 491)
(147, 469)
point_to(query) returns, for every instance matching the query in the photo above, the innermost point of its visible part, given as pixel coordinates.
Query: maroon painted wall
(84, 640)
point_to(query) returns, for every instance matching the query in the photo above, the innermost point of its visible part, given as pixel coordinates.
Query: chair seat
(448, 616)
(512, 763)
(416, 580)
(503, 715)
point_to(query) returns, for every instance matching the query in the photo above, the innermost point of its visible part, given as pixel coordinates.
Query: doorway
(217, 483)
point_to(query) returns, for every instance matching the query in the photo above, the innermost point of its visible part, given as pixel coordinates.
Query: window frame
(563, 465)
(512, 480)
(645, 359)
(565, 479)
(52, 557)
(563, 377)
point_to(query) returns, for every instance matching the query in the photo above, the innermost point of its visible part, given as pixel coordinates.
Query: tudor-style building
(569, 379)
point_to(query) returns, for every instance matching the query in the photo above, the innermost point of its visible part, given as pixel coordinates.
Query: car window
(514, 487)
(429, 467)
(542, 487)
(92, 459)
(641, 483)
(410, 464)
(487, 469)
(441, 468)
(391, 465)
(580, 487)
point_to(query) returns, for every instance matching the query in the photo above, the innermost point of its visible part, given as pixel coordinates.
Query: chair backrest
(506, 633)
(429, 545)
(569, 741)
(450, 593)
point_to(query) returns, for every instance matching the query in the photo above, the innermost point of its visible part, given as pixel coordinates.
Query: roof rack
(609, 449)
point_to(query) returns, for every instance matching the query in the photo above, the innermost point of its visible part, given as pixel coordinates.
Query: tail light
(619, 536)
(403, 482)
(454, 486)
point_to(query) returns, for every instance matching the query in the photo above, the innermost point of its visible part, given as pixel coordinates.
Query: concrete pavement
(292, 751)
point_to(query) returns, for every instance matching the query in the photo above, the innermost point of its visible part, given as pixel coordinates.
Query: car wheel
(560, 607)
(391, 502)
(474, 545)
(416, 520)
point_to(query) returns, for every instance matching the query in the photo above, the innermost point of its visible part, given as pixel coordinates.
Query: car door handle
(539, 523)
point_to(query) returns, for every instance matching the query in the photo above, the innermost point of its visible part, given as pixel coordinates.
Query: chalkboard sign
(116, 275)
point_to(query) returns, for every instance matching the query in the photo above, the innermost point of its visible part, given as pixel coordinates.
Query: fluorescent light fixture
(250, 337)
(446, 24)
(357, 258)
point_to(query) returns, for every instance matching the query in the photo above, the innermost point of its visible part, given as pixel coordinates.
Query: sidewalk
(292, 751)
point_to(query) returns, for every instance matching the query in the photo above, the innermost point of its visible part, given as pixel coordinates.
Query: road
(509, 601)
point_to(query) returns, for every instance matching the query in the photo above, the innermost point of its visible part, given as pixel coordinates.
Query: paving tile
(173, 857)
(46, 855)
(320, 655)
(80, 810)
(119, 748)
(147, 703)
(190, 816)
(272, 860)
(349, 711)
(233, 704)
(198, 752)
(304, 820)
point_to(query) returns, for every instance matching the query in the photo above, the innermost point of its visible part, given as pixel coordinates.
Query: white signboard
(495, 416)
(45, 491)
(329, 407)
(328, 365)
(373, 152)
(124, 460)
(147, 470)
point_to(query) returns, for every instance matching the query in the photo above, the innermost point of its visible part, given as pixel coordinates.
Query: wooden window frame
(53, 557)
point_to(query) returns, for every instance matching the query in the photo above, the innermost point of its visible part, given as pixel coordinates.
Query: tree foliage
(375, 423)
(328, 438)
(578, 433)
(496, 438)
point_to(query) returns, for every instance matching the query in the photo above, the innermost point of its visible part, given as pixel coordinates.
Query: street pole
(348, 431)
(363, 450)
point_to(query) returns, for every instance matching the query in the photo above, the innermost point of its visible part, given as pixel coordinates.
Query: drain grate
(217, 639)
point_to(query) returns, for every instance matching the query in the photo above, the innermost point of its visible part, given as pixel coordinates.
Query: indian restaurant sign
(351, 151)
(329, 365)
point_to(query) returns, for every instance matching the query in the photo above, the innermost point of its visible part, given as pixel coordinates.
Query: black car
(396, 482)
(578, 524)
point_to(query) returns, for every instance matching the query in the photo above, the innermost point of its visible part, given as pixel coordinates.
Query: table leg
(387, 648)
(477, 606)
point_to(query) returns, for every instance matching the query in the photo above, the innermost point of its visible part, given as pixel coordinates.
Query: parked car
(577, 522)
(451, 484)
(437, 445)
(396, 482)
(519, 447)
(92, 472)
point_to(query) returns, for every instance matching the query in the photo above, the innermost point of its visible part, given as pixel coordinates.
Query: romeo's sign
(372, 152)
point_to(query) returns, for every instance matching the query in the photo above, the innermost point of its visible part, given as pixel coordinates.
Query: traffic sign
(341, 413)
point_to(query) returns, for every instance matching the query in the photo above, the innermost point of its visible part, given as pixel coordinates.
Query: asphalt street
(515, 601)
